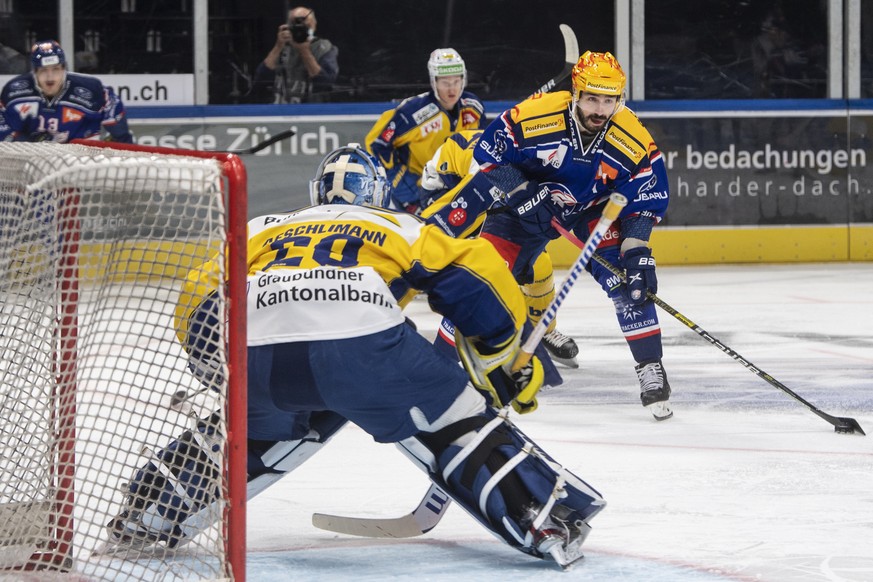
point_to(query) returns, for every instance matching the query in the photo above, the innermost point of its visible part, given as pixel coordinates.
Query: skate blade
(111, 548)
(567, 362)
(137, 546)
(661, 410)
(566, 558)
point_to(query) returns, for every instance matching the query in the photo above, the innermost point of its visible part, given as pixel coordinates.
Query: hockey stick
(610, 212)
(435, 502)
(421, 520)
(571, 55)
(264, 144)
(841, 424)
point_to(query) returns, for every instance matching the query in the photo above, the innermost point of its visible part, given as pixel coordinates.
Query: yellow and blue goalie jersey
(338, 271)
(405, 138)
(540, 137)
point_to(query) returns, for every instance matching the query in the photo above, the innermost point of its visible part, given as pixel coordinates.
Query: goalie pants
(373, 380)
(396, 387)
(521, 242)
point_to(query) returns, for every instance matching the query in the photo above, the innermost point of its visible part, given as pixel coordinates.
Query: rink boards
(750, 181)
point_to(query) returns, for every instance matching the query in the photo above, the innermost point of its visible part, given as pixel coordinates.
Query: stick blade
(848, 426)
(420, 521)
(571, 45)
(399, 527)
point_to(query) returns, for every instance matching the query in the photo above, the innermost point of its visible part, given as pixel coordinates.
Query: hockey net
(94, 245)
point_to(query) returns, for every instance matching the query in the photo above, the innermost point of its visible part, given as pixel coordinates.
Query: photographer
(300, 65)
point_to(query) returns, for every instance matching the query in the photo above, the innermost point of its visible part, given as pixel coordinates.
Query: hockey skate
(560, 534)
(561, 348)
(146, 521)
(129, 530)
(654, 389)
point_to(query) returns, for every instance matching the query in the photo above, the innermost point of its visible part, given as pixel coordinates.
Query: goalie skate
(125, 533)
(560, 535)
(138, 526)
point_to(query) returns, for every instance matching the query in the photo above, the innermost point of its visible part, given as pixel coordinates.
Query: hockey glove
(491, 373)
(639, 269)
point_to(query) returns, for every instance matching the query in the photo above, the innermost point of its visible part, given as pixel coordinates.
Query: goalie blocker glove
(639, 268)
(490, 371)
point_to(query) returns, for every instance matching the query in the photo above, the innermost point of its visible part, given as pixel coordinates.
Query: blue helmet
(47, 53)
(350, 175)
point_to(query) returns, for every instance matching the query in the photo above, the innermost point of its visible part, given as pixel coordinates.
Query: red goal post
(95, 241)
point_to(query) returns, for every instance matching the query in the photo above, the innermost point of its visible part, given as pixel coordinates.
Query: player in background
(327, 342)
(52, 104)
(558, 156)
(406, 137)
(454, 197)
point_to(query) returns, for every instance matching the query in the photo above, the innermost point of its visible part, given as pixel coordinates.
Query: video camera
(300, 32)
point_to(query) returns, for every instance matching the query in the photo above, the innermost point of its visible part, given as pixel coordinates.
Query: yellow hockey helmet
(598, 73)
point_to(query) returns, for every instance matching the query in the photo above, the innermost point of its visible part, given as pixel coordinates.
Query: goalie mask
(599, 74)
(446, 62)
(350, 175)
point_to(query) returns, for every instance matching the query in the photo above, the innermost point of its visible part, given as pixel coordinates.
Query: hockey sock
(538, 294)
(641, 329)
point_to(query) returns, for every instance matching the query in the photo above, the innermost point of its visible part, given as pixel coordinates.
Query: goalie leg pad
(508, 484)
(181, 480)
(269, 461)
(173, 497)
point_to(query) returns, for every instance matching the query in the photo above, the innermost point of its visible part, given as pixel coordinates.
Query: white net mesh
(94, 244)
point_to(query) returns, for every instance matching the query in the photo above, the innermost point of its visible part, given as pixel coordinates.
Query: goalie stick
(841, 424)
(433, 506)
(428, 513)
(421, 520)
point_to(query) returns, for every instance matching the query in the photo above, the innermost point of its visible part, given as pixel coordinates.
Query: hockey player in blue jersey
(456, 198)
(52, 104)
(314, 364)
(406, 137)
(558, 156)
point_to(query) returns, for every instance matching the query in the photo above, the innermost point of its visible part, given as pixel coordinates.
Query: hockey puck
(843, 429)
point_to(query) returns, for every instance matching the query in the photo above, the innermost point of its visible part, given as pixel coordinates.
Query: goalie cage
(94, 243)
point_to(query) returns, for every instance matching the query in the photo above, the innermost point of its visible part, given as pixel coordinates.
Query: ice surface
(744, 483)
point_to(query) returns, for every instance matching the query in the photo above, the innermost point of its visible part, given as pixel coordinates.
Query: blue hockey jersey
(541, 138)
(81, 109)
